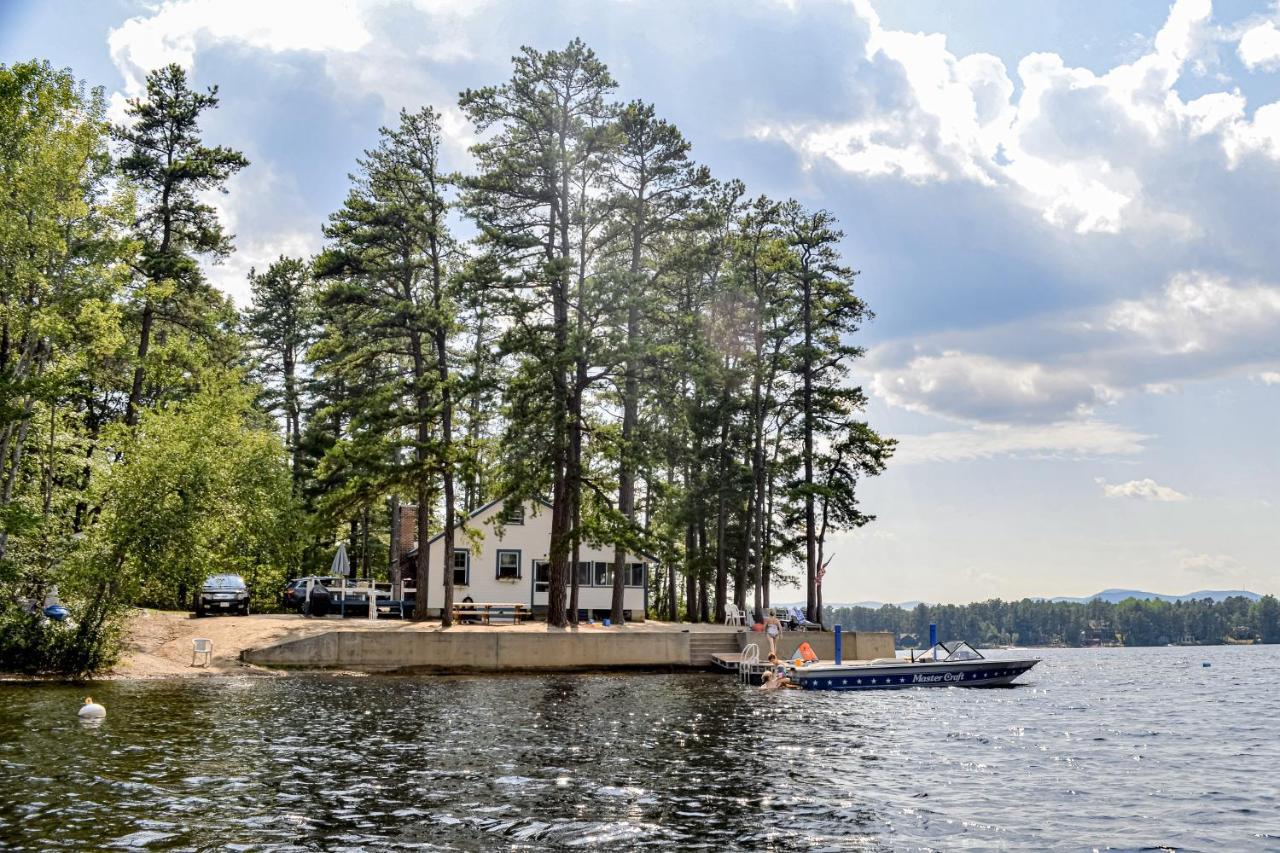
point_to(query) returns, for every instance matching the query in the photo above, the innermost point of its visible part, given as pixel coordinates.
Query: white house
(511, 566)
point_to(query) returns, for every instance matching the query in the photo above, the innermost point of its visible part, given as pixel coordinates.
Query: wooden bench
(485, 610)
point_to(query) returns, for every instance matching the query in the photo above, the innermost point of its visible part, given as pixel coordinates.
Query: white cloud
(970, 386)
(1082, 439)
(1260, 47)
(1146, 489)
(1198, 312)
(1212, 566)
(1269, 377)
(1092, 153)
(173, 31)
(1197, 326)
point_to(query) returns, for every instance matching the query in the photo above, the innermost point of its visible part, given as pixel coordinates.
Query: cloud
(1146, 490)
(1083, 439)
(969, 386)
(175, 30)
(1259, 47)
(1199, 313)
(1092, 153)
(1198, 326)
(1269, 377)
(1215, 566)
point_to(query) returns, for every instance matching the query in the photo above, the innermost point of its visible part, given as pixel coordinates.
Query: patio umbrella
(341, 565)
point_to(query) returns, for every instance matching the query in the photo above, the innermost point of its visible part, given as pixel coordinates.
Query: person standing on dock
(772, 627)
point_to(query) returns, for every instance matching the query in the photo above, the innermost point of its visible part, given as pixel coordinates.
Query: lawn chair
(800, 623)
(202, 646)
(734, 616)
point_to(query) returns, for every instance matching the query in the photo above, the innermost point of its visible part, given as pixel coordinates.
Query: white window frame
(497, 566)
(514, 516)
(453, 565)
(541, 586)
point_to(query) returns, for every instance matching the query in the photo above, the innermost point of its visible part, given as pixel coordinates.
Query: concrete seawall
(856, 645)
(499, 651)
(442, 651)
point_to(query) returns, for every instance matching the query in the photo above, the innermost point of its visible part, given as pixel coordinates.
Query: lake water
(1104, 748)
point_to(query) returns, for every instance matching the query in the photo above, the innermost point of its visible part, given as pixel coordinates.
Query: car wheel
(199, 613)
(245, 611)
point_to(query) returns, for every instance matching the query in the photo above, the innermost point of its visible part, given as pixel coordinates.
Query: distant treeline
(1132, 622)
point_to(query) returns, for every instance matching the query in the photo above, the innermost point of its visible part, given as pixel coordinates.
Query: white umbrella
(341, 565)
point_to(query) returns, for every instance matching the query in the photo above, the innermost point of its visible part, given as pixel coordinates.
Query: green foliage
(203, 487)
(1132, 622)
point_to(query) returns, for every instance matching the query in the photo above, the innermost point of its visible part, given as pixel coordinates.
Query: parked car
(294, 594)
(222, 594)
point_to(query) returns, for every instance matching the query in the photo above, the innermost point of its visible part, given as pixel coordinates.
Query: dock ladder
(750, 659)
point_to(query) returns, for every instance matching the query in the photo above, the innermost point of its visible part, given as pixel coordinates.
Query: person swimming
(774, 679)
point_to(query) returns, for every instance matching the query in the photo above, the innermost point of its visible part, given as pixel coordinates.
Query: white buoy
(91, 710)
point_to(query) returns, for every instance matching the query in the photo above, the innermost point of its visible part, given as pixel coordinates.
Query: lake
(1118, 748)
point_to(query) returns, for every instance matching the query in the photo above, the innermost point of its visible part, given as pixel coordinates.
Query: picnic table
(484, 610)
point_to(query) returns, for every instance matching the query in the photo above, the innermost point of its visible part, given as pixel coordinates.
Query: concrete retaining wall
(855, 645)
(474, 651)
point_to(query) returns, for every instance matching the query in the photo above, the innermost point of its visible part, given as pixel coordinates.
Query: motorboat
(943, 665)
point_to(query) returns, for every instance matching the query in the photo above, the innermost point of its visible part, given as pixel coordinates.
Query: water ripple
(1120, 749)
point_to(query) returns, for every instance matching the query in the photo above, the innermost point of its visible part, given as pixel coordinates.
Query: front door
(541, 582)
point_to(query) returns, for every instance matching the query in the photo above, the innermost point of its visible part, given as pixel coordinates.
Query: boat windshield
(963, 651)
(954, 652)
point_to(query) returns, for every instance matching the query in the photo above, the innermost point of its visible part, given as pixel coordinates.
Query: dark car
(222, 594)
(294, 594)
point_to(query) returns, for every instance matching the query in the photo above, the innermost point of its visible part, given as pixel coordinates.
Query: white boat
(943, 665)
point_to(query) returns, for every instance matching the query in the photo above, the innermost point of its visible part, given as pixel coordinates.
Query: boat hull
(976, 673)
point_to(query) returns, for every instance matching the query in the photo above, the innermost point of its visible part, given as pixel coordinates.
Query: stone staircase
(704, 644)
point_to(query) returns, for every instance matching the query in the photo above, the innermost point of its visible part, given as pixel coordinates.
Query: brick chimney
(407, 529)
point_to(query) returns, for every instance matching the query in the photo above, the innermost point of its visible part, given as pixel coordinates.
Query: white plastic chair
(202, 646)
(734, 616)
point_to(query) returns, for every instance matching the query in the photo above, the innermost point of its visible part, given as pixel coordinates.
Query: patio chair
(202, 646)
(799, 622)
(734, 616)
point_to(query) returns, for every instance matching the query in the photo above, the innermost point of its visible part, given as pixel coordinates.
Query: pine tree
(280, 326)
(386, 272)
(169, 165)
(548, 124)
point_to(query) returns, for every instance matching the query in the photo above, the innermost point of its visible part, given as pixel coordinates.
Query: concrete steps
(703, 645)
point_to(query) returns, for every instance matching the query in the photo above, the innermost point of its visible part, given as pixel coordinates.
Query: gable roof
(413, 552)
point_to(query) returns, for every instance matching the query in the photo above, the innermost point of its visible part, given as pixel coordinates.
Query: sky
(1064, 215)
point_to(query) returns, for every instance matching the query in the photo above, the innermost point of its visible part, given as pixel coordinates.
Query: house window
(461, 567)
(604, 574)
(584, 573)
(541, 575)
(508, 565)
(513, 515)
(635, 574)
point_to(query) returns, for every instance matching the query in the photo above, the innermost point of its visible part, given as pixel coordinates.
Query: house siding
(532, 541)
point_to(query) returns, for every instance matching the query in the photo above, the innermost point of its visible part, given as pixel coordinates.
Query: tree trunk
(810, 522)
(393, 545)
(446, 420)
(139, 373)
(630, 412)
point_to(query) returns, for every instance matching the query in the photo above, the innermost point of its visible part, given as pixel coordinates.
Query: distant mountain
(1112, 596)
(1115, 596)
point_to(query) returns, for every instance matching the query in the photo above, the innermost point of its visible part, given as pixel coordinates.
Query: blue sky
(1065, 217)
